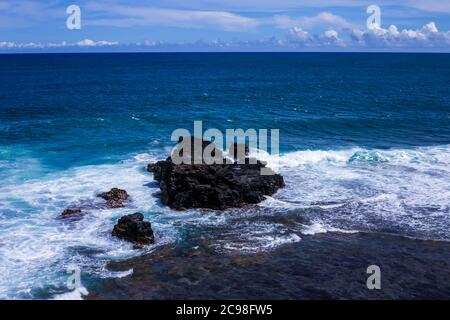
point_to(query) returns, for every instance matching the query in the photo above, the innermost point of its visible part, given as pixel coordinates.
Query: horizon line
(222, 52)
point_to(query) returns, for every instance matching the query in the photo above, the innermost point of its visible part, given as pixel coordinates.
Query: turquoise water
(365, 139)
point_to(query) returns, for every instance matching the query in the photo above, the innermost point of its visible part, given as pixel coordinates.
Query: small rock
(69, 212)
(115, 198)
(133, 228)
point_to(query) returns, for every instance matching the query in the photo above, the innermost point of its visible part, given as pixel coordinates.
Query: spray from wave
(400, 191)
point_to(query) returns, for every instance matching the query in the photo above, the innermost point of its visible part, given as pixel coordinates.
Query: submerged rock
(213, 186)
(115, 198)
(133, 228)
(70, 212)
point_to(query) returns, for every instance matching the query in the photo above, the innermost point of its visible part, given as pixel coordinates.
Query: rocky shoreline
(324, 266)
(218, 186)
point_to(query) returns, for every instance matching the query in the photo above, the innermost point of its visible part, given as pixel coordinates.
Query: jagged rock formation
(133, 228)
(214, 186)
(115, 198)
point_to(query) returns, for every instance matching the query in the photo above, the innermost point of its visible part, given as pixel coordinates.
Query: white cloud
(324, 18)
(426, 37)
(320, 20)
(297, 34)
(145, 16)
(7, 45)
(92, 43)
(129, 16)
(63, 44)
(331, 38)
(332, 34)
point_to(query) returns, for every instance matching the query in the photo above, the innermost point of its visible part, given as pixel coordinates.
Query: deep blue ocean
(364, 141)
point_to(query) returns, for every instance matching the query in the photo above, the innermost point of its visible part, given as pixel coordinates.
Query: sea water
(364, 142)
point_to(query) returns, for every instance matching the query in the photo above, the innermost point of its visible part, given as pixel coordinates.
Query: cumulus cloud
(297, 34)
(425, 37)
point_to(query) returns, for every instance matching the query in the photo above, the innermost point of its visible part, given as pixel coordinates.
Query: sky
(224, 25)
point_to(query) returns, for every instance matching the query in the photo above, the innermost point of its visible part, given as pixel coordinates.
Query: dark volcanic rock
(72, 214)
(133, 228)
(214, 186)
(69, 212)
(115, 198)
(184, 142)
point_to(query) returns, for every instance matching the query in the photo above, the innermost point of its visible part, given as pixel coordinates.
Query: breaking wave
(399, 191)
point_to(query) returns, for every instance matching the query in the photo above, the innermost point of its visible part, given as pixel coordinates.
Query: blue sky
(220, 25)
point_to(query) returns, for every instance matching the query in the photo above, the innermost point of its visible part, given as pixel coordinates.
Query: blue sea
(365, 153)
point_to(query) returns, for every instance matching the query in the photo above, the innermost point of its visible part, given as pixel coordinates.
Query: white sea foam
(32, 238)
(261, 243)
(302, 158)
(316, 228)
(76, 294)
(243, 236)
(117, 274)
(404, 191)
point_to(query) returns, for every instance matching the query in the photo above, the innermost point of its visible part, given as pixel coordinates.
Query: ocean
(365, 153)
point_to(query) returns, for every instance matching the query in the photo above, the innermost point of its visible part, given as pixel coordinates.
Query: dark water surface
(327, 266)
